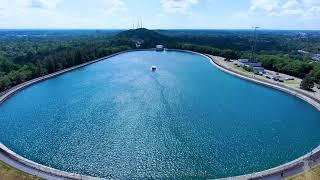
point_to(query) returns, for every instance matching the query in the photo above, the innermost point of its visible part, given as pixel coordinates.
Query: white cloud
(264, 5)
(112, 7)
(299, 8)
(46, 4)
(291, 4)
(160, 15)
(8, 7)
(291, 7)
(311, 2)
(177, 6)
(27, 7)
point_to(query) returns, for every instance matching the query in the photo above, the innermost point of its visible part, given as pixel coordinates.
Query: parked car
(268, 77)
(289, 78)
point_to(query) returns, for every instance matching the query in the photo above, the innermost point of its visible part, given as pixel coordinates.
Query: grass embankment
(291, 82)
(312, 174)
(239, 68)
(9, 173)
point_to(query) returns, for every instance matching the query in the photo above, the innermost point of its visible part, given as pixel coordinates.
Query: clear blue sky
(160, 14)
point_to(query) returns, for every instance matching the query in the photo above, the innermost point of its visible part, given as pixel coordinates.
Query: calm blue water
(118, 119)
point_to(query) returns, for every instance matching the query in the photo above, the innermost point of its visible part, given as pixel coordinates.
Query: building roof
(243, 60)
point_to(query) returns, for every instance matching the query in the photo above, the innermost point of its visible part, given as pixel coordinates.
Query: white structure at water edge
(159, 48)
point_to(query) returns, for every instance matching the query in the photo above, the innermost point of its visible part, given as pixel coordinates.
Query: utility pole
(254, 44)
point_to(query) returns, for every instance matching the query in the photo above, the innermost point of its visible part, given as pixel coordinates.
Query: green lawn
(9, 173)
(239, 68)
(291, 82)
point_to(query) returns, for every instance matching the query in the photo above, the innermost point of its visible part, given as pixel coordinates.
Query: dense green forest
(22, 59)
(25, 55)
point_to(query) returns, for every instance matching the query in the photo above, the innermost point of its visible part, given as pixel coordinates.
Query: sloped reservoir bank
(118, 119)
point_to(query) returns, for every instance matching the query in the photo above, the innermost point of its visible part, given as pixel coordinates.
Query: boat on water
(153, 68)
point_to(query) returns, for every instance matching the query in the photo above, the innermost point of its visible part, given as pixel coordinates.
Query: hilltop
(144, 38)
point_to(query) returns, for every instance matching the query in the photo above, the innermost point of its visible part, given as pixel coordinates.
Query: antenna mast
(254, 44)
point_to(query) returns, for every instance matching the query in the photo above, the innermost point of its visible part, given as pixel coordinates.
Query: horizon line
(262, 29)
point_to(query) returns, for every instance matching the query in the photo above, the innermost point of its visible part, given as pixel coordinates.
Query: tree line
(22, 59)
(12, 74)
(305, 69)
(227, 53)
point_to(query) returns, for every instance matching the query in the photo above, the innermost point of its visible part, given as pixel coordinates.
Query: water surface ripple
(117, 119)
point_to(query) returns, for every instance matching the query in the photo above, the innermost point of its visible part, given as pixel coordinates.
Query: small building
(159, 48)
(246, 62)
(242, 62)
(315, 57)
(302, 52)
(252, 65)
(255, 66)
(258, 70)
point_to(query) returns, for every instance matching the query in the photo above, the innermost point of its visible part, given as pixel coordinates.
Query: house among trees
(316, 57)
(138, 43)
